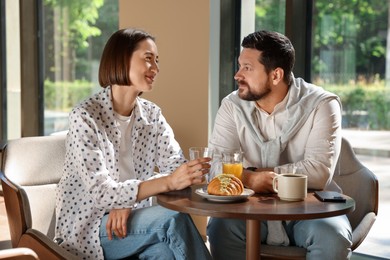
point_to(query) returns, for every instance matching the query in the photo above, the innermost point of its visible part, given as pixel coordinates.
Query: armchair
(356, 181)
(30, 170)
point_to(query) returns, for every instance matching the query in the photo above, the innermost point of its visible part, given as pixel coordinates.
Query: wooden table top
(258, 206)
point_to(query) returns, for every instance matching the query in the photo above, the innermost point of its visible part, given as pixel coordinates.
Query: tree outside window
(75, 32)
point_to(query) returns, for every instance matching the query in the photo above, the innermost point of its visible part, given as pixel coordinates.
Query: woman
(115, 141)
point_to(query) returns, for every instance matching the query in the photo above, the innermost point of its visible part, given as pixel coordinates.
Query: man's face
(252, 79)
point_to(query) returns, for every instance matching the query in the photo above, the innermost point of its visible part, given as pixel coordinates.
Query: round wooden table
(254, 209)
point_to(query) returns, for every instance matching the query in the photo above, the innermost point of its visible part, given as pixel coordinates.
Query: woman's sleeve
(169, 154)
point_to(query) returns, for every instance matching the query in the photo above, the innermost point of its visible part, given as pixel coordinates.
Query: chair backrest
(358, 182)
(32, 167)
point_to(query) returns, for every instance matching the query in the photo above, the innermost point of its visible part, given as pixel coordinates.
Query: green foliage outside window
(79, 21)
(62, 96)
(364, 106)
(75, 32)
(349, 59)
(270, 15)
(349, 40)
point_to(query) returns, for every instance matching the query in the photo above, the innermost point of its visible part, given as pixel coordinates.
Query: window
(349, 50)
(349, 58)
(75, 33)
(270, 15)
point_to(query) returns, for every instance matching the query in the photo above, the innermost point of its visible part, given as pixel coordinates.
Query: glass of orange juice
(232, 163)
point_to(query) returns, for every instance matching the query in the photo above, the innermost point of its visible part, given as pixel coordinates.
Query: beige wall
(181, 28)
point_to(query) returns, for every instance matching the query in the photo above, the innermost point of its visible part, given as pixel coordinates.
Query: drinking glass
(201, 152)
(232, 163)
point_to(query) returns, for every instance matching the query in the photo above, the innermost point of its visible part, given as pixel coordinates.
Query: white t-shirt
(126, 166)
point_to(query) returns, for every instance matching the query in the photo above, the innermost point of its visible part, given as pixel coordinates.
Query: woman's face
(144, 66)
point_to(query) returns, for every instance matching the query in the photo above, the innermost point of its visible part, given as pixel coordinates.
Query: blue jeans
(155, 233)
(327, 238)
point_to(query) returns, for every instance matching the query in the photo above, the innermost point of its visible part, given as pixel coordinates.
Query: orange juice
(233, 168)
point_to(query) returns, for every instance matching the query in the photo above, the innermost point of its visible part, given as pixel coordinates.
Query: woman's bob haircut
(115, 61)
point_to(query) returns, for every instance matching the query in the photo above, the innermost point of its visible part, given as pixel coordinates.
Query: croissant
(225, 185)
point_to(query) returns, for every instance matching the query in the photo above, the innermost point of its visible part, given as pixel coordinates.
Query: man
(278, 120)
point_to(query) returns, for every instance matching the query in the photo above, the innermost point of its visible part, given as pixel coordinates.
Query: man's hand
(259, 181)
(117, 223)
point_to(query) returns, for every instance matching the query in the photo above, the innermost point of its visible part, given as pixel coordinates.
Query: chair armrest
(20, 253)
(44, 246)
(361, 231)
(3, 144)
(18, 222)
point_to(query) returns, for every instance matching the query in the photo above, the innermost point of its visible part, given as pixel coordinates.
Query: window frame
(31, 67)
(230, 44)
(3, 73)
(298, 26)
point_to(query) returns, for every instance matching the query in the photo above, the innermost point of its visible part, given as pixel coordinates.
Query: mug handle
(274, 184)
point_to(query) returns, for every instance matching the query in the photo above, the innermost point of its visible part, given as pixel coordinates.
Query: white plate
(245, 194)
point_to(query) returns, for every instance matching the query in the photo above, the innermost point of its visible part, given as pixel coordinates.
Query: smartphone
(329, 196)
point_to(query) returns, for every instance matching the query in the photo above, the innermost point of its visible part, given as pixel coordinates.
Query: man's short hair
(276, 51)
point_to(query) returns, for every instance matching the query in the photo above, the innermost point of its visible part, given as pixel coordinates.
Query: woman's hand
(117, 223)
(189, 173)
(185, 175)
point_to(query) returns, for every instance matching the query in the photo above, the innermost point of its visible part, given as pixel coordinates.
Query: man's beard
(250, 95)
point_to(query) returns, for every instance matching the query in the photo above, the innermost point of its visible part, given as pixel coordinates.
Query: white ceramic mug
(290, 187)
